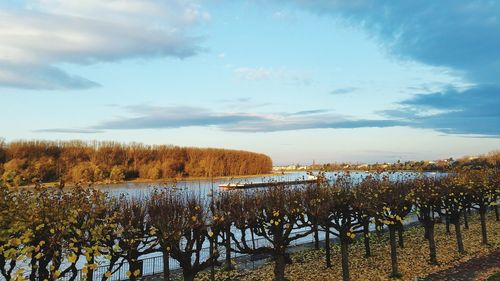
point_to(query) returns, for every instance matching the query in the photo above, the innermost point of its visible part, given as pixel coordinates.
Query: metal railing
(154, 265)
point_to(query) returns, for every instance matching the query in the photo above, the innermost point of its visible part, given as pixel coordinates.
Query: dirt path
(467, 271)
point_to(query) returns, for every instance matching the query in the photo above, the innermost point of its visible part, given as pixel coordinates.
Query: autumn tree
(14, 236)
(393, 205)
(88, 224)
(136, 234)
(480, 186)
(340, 218)
(181, 224)
(426, 197)
(453, 204)
(366, 193)
(272, 214)
(223, 209)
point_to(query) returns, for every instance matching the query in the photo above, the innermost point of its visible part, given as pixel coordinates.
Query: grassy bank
(413, 259)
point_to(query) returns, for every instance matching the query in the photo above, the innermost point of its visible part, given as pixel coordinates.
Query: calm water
(205, 187)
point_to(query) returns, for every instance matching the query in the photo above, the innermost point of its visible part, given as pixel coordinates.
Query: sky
(301, 81)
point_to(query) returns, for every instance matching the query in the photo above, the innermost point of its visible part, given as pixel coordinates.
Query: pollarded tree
(454, 201)
(110, 231)
(181, 224)
(13, 232)
(393, 205)
(312, 205)
(136, 234)
(313, 210)
(273, 214)
(86, 229)
(426, 198)
(365, 202)
(340, 218)
(495, 179)
(223, 208)
(47, 221)
(483, 193)
(168, 218)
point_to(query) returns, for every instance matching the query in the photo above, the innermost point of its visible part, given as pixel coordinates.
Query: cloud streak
(343, 91)
(154, 117)
(473, 111)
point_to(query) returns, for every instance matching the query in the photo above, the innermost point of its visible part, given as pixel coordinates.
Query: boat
(240, 185)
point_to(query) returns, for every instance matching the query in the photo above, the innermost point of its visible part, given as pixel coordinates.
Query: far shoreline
(145, 181)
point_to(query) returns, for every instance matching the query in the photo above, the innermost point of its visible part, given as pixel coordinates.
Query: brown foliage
(26, 162)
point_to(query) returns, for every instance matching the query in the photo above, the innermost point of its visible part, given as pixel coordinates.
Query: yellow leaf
(72, 258)
(137, 272)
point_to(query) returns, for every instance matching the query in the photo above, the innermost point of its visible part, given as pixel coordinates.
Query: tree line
(27, 162)
(88, 225)
(488, 161)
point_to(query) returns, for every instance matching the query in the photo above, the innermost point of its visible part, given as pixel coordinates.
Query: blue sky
(330, 81)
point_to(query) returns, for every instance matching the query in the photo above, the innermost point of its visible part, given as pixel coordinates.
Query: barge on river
(241, 185)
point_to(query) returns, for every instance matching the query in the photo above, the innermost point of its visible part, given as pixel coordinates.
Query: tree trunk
(327, 248)
(43, 273)
(2, 269)
(345, 258)
(496, 213)
(316, 237)
(400, 236)
(228, 264)
(426, 233)
(279, 267)
(394, 254)
(458, 233)
(482, 215)
(379, 228)
(366, 232)
(212, 266)
(447, 219)
(188, 275)
(497, 216)
(134, 265)
(90, 273)
(166, 266)
(466, 221)
(432, 243)
(33, 269)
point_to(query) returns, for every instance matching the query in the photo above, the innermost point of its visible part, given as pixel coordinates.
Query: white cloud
(45, 33)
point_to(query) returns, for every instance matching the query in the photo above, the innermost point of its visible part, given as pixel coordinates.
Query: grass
(413, 259)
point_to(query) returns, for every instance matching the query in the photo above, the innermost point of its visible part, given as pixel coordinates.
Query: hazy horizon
(301, 81)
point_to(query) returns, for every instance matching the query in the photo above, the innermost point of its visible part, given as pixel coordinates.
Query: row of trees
(487, 161)
(26, 162)
(89, 226)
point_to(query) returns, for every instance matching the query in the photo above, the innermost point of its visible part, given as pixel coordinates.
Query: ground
(479, 261)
